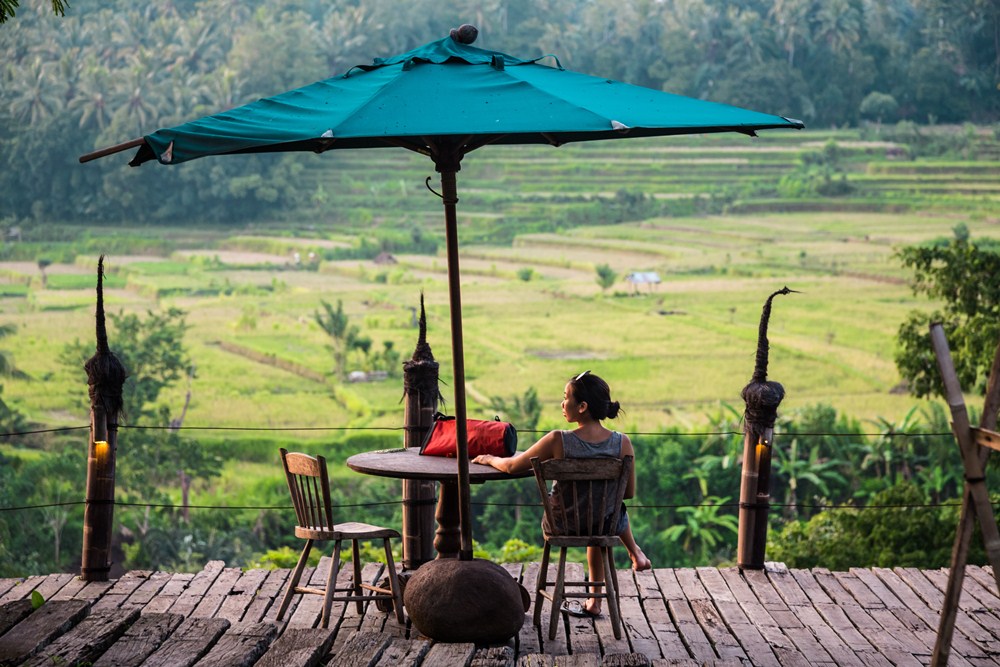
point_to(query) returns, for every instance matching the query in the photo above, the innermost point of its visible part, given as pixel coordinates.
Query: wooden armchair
(309, 485)
(578, 518)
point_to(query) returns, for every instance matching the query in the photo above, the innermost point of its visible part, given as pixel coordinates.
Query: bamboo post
(762, 398)
(105, 377)
(763, 499)
(98, 516)
(975, 497)
(421, 395)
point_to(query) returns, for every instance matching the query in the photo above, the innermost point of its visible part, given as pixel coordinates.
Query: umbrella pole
(449, 195)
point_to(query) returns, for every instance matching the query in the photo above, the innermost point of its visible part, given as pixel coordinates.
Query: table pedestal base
(448, 538)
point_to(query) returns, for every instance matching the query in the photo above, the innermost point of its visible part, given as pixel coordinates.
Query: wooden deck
(225, 616)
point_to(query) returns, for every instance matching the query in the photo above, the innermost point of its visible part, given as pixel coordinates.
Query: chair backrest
(310, 488)
(587, 501)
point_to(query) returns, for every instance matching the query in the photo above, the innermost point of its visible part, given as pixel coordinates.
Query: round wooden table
(409, 464)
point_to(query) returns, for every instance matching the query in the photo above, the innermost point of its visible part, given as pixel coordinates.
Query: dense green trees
(111, 71)
(962, 275)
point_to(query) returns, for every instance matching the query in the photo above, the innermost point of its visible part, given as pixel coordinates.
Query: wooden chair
(603, 481)
(309, 485)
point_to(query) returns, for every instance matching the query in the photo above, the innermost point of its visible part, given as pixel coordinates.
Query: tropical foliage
(108, 72)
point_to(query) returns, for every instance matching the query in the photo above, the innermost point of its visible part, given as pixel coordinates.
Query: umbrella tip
(465, 33)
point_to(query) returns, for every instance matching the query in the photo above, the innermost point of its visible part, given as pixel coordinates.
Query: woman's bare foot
(593, 607)
(639, 561)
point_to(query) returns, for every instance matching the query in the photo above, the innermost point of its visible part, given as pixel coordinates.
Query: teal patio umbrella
(445, 99)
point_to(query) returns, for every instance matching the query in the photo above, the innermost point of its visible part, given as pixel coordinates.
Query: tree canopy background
(113, 70)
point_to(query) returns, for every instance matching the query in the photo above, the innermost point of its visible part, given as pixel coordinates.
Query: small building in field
(637, 278)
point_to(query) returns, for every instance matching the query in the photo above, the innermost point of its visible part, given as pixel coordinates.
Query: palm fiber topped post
(762, 398)
(421, 395)
(105, 377)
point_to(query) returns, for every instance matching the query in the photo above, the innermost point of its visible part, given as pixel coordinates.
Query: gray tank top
(575, 448)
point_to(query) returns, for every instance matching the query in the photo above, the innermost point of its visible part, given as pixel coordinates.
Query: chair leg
(540, 583)
(557, 594)
(331, 584)
(614, 576)
(611, 593)
(296, 575)
(397, 594)
(358, 591)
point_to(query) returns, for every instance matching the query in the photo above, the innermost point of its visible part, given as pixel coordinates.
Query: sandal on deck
(574, 608)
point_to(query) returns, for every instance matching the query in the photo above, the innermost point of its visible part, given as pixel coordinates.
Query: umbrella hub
(465, 33)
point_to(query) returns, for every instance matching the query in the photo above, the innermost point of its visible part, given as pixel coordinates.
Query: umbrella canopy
(447, 91)
(445, 99)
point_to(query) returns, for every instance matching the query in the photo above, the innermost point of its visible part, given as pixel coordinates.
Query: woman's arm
(548, 446)
(628, 450)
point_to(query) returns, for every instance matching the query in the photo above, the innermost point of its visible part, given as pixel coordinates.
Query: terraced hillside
(723, 220)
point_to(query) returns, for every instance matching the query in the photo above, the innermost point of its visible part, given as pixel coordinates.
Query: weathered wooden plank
(22, 589)
(241, 645)
(192, 640)
(352, 621)
(146, 591)
(264, 606)
(971, 601)
(215, 595)
(535, 660)
(725, 644)
(52, 584)
(85, 642)
(70, 590)
(189, 599)
(168, 595)
(679, 609)
(528, 640)
(121, 589)
(934, 598)
(308, 608)
(559, 645)
(404, 653)
(40, 629)
(982, 574)
(298, 647)
(243, 593)
(626, 660)
(449, 655)
(679, 662)
(584, 635)
(893, 642)
(889, 612)
(92, 591)
(793, 612)
(140, 640)
(961, 644)
(637, 629)
(360, 649)
(12, 613)
(577, 660)
(783, 648)
(7, 584)
(493, 656)
(750, 637)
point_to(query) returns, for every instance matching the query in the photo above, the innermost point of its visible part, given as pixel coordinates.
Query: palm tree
(703, 529)
(35, 95)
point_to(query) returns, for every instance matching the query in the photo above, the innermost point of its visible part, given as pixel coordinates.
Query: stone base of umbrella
(475, 601)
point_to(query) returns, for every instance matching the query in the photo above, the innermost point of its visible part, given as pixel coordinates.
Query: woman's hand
(483, 459)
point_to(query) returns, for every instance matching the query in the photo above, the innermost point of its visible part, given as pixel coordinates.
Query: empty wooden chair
(584, 512)
(309, 485)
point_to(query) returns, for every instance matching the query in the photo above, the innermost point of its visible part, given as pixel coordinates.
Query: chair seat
(583, 541)
(346, 531)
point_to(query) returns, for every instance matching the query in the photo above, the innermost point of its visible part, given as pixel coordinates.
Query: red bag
(485, 437)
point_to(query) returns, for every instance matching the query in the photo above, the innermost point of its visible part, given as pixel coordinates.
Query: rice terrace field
(532, 235)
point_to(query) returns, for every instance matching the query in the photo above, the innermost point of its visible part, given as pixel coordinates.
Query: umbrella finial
(465, 33)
